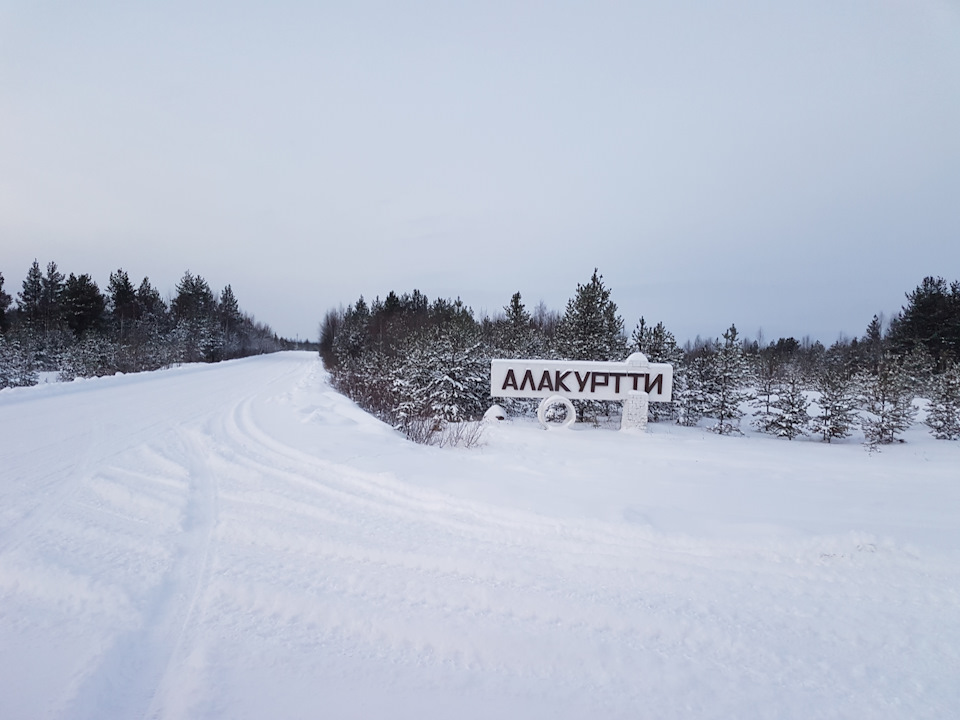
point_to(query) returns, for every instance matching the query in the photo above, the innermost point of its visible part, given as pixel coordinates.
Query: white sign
(581, 380)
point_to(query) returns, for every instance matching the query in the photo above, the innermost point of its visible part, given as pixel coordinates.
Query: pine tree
(329, 329)
(546, 322)
(123, 303)
(930, 319)
(725, 392)
(149, 301)
(229, 310)
(51, 299)
(790, 418)
(147, 342)
(17, 365)
(5, 301)
(194, 299)
(872, 345)
(768, 374)
(409, 379)
(351, 339)
(641, 336)
(228, 314)
(887, 399)
(194, 309)
(83, 305)
(659, 346)
(39, 309)
(919, 367)
(30, 299)
(838, 399)
(590, 328)
(91, 356)
(691, 380)
(458, 377)
(6, 362)
(943, 418)
(514, 335)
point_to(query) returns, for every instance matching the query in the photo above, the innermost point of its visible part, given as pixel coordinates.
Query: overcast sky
(790, 166)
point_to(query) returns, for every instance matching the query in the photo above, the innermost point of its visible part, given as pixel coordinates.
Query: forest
(67, 325)
(423, 365)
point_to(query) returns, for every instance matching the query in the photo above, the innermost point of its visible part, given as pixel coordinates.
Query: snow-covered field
(239, 541)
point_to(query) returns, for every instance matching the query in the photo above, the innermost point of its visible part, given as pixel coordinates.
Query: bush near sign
(581, 380)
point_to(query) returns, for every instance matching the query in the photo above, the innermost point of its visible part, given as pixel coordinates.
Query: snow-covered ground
(239, 541)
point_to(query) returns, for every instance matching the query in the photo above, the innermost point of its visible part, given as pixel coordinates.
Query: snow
(240, 541)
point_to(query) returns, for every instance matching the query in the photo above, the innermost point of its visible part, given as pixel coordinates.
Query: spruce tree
(943, 417)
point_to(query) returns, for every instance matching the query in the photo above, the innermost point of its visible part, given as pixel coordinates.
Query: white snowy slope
(239, 541)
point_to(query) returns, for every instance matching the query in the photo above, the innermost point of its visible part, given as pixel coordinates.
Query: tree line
(422, 365)
(66, 324)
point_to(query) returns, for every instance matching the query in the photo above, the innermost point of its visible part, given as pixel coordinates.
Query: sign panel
(581, 380)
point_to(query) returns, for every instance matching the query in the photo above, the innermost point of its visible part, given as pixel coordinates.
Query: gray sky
(793, 167)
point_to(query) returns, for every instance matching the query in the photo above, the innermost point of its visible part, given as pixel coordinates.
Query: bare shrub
(441, 433)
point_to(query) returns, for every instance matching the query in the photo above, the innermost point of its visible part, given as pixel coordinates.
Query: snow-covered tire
(556, 400)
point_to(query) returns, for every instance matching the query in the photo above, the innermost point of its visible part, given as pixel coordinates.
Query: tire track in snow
(132, 677)
(390, 547)
(357, 492)
(390, 551)
(66, 479)
(66, 482)
(390, 570)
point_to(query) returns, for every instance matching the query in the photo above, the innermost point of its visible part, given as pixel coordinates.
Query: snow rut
(176, 501)
(360, 566)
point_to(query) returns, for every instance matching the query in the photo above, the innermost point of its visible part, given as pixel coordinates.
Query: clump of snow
(495, 413)
(240, 541)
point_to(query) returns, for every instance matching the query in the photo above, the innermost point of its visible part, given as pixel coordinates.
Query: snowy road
(239, 541)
